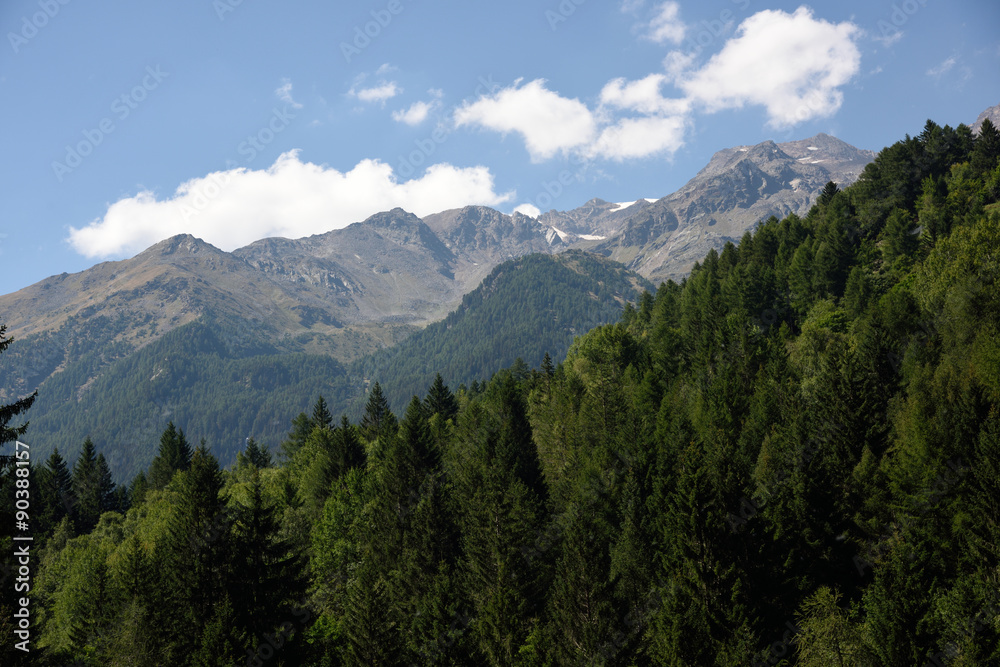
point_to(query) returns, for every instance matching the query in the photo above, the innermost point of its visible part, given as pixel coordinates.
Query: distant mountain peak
(993, 113)
(181, 243)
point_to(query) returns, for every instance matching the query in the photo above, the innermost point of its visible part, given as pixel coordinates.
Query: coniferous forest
(790, 458)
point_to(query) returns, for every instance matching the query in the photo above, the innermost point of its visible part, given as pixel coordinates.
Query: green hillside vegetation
(217, 378)
(526, 308)
(201, 376)
(792, 457)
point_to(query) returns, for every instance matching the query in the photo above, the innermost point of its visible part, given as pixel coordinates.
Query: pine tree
(269, 576)
(829, 190)
(89, 487)
(321, 416)
(378, 420)
(196, 552)
(174, 454)
(800, 277)
(440, 400)
(547, 367)
(582, 611)
(137, 489)
(302, 427)
(9, 411)
(373, 638)
(858, 292)
(900, 240)
(254, 455)
(56, 490)
(987, 148)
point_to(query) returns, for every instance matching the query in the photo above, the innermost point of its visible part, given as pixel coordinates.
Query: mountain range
(349, 293)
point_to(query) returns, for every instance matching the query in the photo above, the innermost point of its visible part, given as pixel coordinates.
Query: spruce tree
(321, 416)
(987, 148)
(174, 454)
(8, 411)
(196, 552)
(254, 455)
(269, 577)
(440, 400)
(91, 486)
(56, 490)
(378, 420)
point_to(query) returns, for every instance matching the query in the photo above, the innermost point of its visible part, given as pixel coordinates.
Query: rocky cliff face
(737, 189)
(993, 113)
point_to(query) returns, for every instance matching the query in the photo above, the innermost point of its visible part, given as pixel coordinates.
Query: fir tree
(9, 411)
(56, 490)
(321, 416)
(196, 552)
(174, 454)
(378, 420)
(270, 573)
(440, 400)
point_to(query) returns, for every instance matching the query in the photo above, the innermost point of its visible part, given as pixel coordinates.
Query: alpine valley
(753, 422)
(229, 344)
(118, 350)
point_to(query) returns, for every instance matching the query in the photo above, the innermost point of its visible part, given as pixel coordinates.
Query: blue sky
(126, 122)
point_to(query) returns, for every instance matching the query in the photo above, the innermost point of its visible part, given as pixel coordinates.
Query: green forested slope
(222, 380)
(526, 308)
(793, 457)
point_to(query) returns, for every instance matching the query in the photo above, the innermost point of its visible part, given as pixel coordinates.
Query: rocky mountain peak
(993, 113)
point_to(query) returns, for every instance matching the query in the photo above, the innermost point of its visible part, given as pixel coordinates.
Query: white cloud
(284, 93)
(642, 96)
(791, 64)
(380, 93)
(418, 112)
(291, 199)
(415, 115)
(549, 123)
(632, 6)
(529, 210)
(943, 68)
(385, 68)
(677, 63)
(633, 138)
(889, 37)
(666, 26)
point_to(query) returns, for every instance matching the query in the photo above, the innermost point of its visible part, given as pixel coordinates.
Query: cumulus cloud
(666, 25)
(291, 198)
(549, 123)
(284, 93)
(792, 64)
(416, 114)
(632, 138)
(380, 93)
(643, 96)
